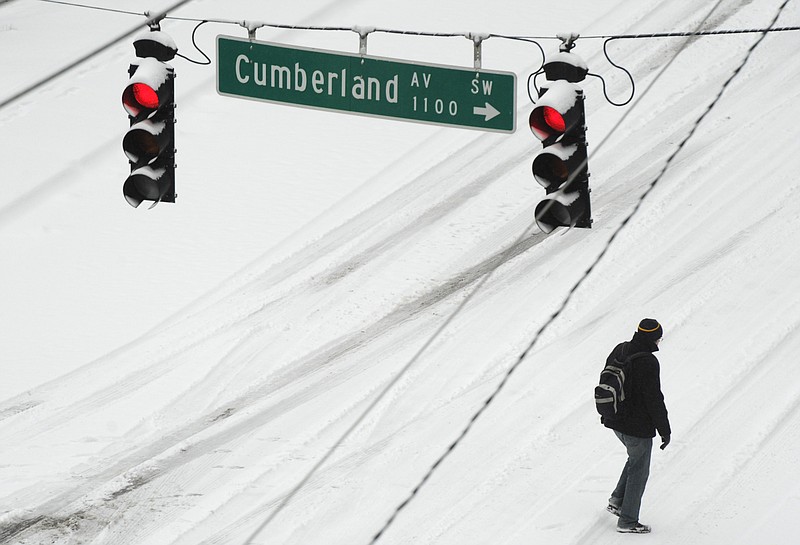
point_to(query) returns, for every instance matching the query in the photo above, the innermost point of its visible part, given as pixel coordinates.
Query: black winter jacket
(645, 411)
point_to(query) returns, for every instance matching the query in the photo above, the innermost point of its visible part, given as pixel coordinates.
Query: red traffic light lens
(547, 122)
(554, 119)
(138, 97)
(146, 96)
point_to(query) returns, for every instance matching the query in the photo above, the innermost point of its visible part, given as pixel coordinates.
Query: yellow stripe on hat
(650, 330)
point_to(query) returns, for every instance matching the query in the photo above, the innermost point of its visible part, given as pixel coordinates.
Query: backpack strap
(625, 347)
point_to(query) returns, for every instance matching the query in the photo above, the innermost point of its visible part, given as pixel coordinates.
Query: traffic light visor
(556, 112)
(547, 119)
(148, 89)
(550, 170)
(155, 44)
(560, 210)
(146, 184)
(145, 95)
(145, 141)
(566, 65)
(555, 164)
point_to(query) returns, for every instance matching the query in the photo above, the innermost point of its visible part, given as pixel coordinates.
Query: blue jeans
(630, 488)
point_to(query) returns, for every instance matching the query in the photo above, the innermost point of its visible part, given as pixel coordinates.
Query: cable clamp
(567, 40)
(477, 42)
(363, 34)
(154, 21)
(251, 27)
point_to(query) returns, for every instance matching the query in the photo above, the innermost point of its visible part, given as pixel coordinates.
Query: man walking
(644, 413)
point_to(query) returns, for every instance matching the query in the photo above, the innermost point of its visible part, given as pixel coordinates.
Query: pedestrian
(643, 415)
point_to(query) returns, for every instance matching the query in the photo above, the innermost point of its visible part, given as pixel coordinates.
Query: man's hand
(664, 441)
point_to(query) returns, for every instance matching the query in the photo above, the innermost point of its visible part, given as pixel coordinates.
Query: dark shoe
(614, 506)
(637, 528)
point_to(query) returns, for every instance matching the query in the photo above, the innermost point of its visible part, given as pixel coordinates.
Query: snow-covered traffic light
(561, 167)
(149, 99)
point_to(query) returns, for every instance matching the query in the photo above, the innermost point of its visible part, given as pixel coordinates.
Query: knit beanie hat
(651, 328)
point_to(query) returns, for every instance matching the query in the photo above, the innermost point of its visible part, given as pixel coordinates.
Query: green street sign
(397, 89)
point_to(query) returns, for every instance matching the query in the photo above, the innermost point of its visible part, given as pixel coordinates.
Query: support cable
(126, 34)
(251, 26)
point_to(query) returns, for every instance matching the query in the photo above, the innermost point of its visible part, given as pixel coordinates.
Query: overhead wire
(88, 6)
(594, 263)
(428, 33)
(97, 51)
(489, 273)
(719, 32)
(609, 39)
(435, 34)
(523, 355)
(251, 26)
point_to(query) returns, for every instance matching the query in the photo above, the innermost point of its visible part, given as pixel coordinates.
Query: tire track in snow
(418, 223)
(141, 378)
(17, 408)
(314, 362)
(135, 468)
(143, 467)
(709, 472)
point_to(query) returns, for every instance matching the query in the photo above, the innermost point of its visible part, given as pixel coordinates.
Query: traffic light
(561, 167)
(149, 99)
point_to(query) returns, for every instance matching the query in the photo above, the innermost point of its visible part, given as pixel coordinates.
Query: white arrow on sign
(489, 111)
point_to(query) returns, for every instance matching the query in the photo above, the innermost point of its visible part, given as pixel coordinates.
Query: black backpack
(609, 395)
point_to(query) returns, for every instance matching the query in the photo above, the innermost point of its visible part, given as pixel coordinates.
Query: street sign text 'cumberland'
(425, 93)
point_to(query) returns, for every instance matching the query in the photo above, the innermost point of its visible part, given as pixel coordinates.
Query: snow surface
(170, 375)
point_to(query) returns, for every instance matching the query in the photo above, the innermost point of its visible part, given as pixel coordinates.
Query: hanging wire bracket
(477, 42)
(154, 21)
(363, 34)
(567, 40)
(251, 27)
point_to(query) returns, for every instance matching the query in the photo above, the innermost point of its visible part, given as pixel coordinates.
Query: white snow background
(170, 375)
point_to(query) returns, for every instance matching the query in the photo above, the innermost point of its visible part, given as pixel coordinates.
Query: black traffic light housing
(561, 167)
(149, 100)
